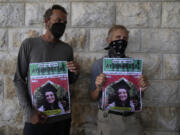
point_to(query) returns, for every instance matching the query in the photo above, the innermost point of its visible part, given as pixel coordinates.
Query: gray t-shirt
(37, 50)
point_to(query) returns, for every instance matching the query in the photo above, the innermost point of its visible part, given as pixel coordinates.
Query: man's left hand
(143, 83)
(73, 67)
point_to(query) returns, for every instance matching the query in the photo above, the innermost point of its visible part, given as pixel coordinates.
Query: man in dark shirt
(46, 48)
(109, 123)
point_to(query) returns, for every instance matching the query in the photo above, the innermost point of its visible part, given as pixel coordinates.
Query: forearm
(95, 94)
(24, 99)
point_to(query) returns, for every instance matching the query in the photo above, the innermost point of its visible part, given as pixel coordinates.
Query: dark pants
(57, 128)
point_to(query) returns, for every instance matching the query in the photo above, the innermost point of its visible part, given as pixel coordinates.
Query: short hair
(116, 27)
(49, 11)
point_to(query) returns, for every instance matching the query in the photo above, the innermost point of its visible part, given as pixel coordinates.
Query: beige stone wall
(154, 36)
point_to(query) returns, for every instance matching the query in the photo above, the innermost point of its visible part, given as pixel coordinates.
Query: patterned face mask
(116, 49)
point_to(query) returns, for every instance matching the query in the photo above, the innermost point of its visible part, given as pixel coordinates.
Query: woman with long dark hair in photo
(50, 99)
(122, 97)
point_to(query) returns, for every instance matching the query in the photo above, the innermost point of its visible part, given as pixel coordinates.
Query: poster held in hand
(50, 87)
(121, 91)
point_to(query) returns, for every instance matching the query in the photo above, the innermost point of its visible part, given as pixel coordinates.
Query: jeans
(57, 128)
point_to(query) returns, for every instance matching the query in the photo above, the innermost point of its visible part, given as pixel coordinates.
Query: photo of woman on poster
(50, 100)
(121, 97)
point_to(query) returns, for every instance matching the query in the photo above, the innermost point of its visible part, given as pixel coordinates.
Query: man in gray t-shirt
(109, 123)
(46, 48)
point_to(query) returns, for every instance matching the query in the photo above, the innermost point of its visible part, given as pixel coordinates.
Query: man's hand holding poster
(50, 87)
(121, 91)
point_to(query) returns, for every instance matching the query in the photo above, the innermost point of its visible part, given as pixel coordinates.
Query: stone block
(1, 88)
(11, 14)
(2, 130)
(11, 0)
(9, 92)
(8, 112)
(171, 14)
(121, 0)
(162, 93)
(171, 66)
(77, 38)
(13, 130)
(83, 131)
(3, 58)
(9, 65)
(35, 11)
(83, 114)
(77, 131)
(98, 39)
(46, 0)
(80, 90)
(3, 39)
(133, 41)
(152, 64)
(161, 118)
(19, 119)
(4, 14)
(16, 36)
(86, 60)
(142, 14)
(160, 40)
(92, 14)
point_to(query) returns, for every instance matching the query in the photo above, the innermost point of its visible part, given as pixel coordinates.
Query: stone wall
(154, 36)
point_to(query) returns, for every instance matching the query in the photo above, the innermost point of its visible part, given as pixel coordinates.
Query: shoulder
(98, 62)
(66, 45)
(30, 41)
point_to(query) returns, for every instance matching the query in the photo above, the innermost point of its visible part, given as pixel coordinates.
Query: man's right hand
(38, 117)
(100, 80)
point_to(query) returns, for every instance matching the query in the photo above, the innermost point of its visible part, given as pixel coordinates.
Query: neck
(49, 37)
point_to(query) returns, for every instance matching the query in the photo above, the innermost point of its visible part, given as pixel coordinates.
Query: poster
(121, 91)
(50, 87)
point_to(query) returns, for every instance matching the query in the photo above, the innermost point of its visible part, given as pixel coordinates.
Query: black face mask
(57, 30)
(116, 49)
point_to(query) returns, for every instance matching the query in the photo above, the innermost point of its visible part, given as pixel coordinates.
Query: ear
(108, 40)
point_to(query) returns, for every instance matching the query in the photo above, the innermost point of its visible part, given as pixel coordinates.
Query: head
(49, 93)
(55, 19)
(50, 97)
(117, 40)
(117, 32)
(122, 94)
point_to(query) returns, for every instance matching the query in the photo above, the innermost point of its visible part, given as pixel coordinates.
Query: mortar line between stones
(70, 8)
(24, 14)
(161, 15)
(162, 68)
(140, 38)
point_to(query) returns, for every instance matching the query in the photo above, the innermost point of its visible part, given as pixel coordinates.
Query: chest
(48, 53)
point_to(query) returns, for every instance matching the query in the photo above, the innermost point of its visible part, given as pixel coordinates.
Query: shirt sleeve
(20, 82)
(72, 77)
